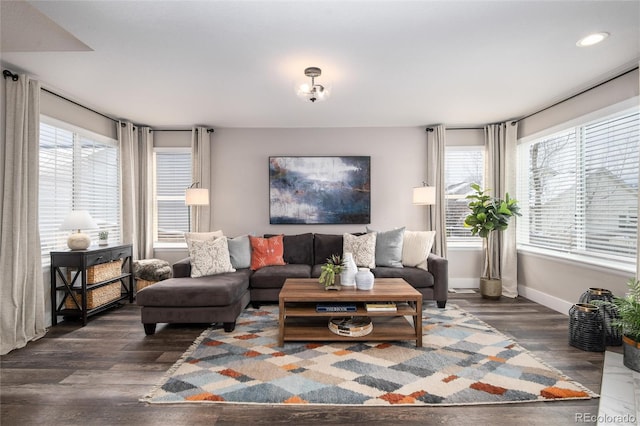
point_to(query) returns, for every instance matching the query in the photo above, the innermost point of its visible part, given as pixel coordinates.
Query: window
(79, 170)
(578, 190)
(172, 178)
(464, 165)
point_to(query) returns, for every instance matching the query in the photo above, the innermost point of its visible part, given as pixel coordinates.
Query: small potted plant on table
(330, 275)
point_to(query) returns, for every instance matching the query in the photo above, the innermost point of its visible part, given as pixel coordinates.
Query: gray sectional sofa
(221, 297)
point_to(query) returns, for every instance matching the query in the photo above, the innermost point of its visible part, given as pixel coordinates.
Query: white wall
(240, 187)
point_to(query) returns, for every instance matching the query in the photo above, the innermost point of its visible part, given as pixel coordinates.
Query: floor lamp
(195, 196)
(424, 195)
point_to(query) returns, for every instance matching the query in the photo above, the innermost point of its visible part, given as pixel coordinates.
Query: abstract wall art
(320, 190)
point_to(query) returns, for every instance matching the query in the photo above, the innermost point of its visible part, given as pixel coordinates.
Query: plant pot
(490, 289)
(631, 354)
(336, 284)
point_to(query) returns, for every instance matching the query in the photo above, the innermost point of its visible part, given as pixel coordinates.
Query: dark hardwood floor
(94, 375)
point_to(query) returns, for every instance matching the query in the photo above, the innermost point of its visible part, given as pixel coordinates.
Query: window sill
(582, 260)
(170, 246)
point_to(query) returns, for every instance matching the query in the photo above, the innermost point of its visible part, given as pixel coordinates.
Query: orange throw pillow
(266, 251)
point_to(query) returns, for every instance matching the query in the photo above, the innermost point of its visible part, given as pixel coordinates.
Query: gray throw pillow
(240, 251)
(389, 247)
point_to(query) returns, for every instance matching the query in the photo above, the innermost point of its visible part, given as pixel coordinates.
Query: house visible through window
(578, 190)
(464, 165)
(172, 178)
(79, 170)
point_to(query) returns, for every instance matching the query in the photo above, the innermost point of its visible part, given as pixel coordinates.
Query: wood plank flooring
(94, 375)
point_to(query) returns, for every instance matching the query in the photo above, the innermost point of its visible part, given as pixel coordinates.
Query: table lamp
(78, 219)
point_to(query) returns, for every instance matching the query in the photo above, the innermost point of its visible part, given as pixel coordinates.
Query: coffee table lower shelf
(310, 329)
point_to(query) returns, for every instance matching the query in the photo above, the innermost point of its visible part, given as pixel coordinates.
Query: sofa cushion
(209, 257)
(363, 248)
(274, 276)
(416, 248)
(240, 251)
(324, 245)
(389, 247)
(418, 278)
(218, 290)
(298, 249)
(266, 251)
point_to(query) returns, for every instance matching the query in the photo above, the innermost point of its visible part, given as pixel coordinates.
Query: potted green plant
(628, 321)
(488, 216)
(103, 238)
(330, 272)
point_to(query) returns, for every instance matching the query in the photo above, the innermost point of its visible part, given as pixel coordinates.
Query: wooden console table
(74, 283)
(299, 321)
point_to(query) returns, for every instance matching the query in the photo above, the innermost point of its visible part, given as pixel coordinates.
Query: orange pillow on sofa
(266, 251)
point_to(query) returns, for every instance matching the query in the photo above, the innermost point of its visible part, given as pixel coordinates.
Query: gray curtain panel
(501, 149)
(144, 193)
(22, 301)
(201, 218)
(436, 216)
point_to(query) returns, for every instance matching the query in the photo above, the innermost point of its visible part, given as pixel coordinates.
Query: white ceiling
(174, 64)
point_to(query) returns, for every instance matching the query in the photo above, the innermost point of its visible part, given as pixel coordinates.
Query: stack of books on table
(351, 327)
(381, 307)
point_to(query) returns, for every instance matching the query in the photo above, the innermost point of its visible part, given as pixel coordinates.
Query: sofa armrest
(439, 267)
(182, 268)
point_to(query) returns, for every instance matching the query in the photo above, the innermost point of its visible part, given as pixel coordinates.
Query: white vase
(348, 275)
(364, 279)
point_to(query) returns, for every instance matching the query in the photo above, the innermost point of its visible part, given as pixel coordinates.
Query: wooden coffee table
(299, 320)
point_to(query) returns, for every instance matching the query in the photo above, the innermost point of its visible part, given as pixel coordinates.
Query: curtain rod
(430, 129)
(177, 130)
(78, 104)
(514, 122)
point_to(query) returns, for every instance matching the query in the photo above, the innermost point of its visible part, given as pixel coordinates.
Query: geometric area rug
(464, 361)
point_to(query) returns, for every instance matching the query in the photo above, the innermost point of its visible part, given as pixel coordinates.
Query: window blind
(464, 165)
(172, 178)
(77, 172)
(578, 189)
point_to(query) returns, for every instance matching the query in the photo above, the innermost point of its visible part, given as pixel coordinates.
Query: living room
(395, 138)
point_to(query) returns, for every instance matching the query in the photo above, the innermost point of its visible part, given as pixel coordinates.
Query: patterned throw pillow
(266, 251)
(363, 248)
(202, 236)
(209, 257)
(416, 248)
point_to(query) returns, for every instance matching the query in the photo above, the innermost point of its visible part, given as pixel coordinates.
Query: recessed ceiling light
(592, 39)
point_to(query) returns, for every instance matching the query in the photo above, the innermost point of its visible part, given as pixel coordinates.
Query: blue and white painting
(320, 190)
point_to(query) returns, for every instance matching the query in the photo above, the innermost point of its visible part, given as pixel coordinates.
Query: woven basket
(95, 297)
(101, 272)
(586, 327)
(609, 312)
(140, 284)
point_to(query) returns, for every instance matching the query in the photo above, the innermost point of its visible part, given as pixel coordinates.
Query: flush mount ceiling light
(592, 39)
(312, 92)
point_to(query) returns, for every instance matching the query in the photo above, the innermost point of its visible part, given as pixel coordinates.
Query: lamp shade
(197, 197)
(78, 219)
(424, 195)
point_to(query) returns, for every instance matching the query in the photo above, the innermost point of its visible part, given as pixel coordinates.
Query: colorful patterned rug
(464, 361)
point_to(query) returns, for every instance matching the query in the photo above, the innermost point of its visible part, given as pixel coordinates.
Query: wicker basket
(140, 284)
(586, 327)
(95, 297)
(101, 272)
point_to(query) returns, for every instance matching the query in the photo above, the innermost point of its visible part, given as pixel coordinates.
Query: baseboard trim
(552, 302)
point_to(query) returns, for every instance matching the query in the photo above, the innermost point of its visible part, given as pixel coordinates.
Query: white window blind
(78, 171)
(578, 189)
(172, 178)
(464, 165)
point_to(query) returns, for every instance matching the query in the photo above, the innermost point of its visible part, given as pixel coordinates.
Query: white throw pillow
(416, 248)
(210, 257)
(363, 248)
(202, 236)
